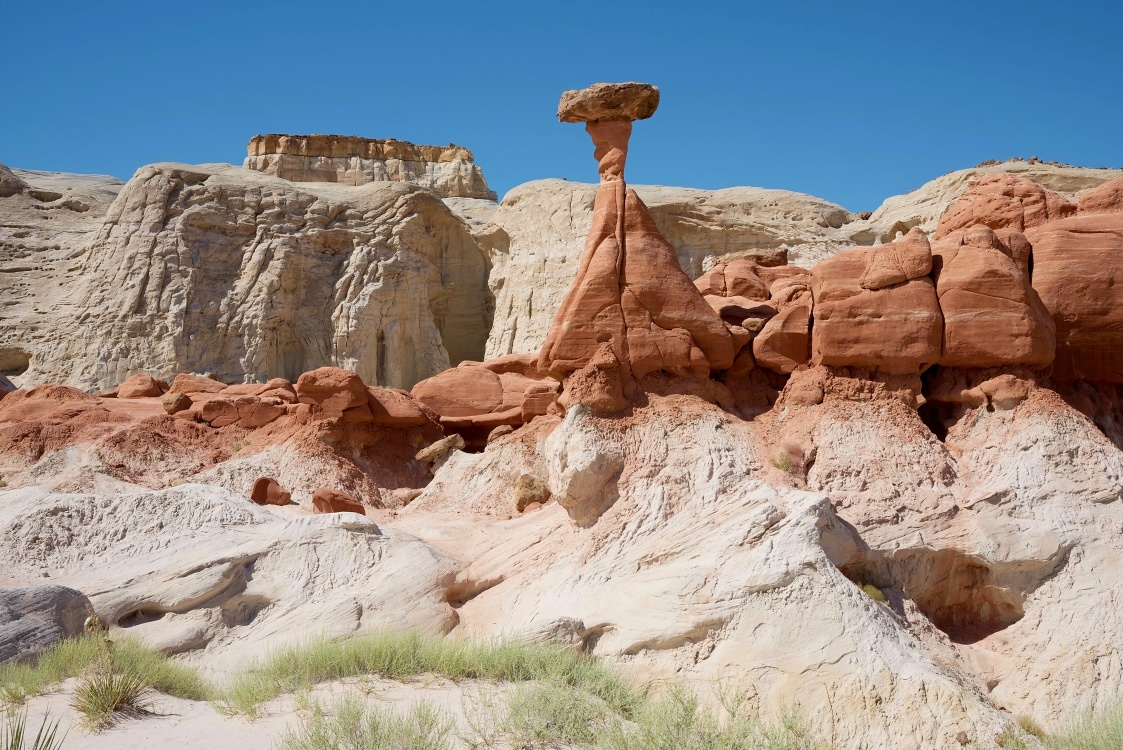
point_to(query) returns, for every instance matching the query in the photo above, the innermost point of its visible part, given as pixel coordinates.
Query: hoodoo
(629, 291)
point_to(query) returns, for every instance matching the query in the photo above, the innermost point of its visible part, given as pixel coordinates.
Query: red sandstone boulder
(219, 412)
(256, 412)
(738, 278)
(1105, 199)
(896, 330)
(896, 262)
(334, 501)
(267, 491)
(187, 383)
(1078, 273)
(992, 316)
(175, 402)
(598, 385)
(275, 388)
(785, 341)
(391, 407)
(332, 389)
(140, 386)
(1003, 201)
(464, 391)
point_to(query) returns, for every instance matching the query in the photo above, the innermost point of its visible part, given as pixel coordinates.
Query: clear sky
(852, 102)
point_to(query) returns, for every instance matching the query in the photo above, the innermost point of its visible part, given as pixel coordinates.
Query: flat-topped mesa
(350, 160)
(630, 291)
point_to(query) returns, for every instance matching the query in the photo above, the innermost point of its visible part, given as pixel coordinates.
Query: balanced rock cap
(609, 101)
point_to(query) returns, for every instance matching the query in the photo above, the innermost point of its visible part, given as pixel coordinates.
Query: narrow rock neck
(610, 137)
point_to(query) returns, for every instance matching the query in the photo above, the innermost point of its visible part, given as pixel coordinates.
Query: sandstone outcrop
(1078, 273)
(609, 101)
(382, 279)
(34, 618)
(447, 170)
(334, 501)
(897, 329)
(992, 315)
(629, 290)
(1105, 199)
(141, 386)
(1003, 201)
(267, 491)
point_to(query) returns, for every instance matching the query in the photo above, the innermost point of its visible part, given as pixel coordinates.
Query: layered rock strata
(447, 170)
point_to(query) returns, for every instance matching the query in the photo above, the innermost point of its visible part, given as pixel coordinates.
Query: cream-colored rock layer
(536, 236)
(924, 206)
(220, 269)
(447, 170)
(45, 218)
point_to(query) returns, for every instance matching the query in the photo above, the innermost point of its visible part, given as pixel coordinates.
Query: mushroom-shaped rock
(992, 316)
(267, 491)
(896, 330)
(334, 501)
(1078, 273)
(1003, 201)
(140, 386)
(609, 101)
(332, 389)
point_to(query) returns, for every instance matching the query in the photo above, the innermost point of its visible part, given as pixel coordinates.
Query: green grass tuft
(75, 656)
(1096, 731)
(354, 726)
(105, 695)
(13, 733)
(398, 655)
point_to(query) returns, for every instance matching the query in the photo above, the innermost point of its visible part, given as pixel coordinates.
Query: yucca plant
(103, 694)
(13, 733)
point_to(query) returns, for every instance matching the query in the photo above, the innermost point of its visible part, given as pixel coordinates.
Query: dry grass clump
(13, 733)
(354, 726)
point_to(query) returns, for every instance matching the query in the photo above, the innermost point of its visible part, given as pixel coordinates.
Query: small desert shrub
(783, 462)
(3, 484)
(545, 715)
(238, 445)
(1098, 731)
(1028, 725)
(104, 695)
(353, 726)
(873, 592)
(13, 733)
(398, 655)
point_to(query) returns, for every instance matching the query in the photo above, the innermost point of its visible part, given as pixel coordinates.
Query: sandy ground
(176, 724)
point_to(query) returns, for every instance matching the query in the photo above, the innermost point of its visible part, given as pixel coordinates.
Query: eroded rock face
(248, 276)
(447, 170)
(34, 618)
(897, 329)
(1078, 273)
(992, 315)
(1003, 201)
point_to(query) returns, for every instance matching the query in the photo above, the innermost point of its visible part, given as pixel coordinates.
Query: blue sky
(852, 102)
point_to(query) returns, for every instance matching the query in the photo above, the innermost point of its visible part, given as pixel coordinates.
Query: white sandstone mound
(226, 270)
(197, 569)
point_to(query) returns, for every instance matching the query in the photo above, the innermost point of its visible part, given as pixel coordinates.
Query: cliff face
(225, 270)
(447, 170)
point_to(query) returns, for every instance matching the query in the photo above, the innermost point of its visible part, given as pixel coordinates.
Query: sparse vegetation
(13, 733)
(1028, 725)
(543, 715)
(354, 726)
(3, 484)
(1094, 731)
(106, 694)
(398, 655)
(75, 657)
(873, 592)
(238, 445)
(783, 462)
